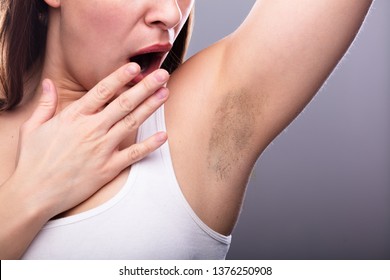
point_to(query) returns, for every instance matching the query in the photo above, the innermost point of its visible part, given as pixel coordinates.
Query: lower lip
(152, 67)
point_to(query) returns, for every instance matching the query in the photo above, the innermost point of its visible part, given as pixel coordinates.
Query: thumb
(46, 107)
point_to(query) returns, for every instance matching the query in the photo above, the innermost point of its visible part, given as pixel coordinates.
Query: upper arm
(230, 100)
(285, 50)
(240, 93)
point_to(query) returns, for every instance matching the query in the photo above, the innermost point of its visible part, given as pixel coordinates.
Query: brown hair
(179, 49)
(22, 44)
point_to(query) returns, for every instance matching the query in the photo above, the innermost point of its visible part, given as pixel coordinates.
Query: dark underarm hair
(232, 132)
(23, 33)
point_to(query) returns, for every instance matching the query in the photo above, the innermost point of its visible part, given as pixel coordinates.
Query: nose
(165, 13)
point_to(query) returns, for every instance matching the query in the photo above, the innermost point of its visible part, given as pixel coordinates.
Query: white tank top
(148, 218)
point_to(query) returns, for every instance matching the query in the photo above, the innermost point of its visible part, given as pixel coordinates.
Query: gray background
(321, 190)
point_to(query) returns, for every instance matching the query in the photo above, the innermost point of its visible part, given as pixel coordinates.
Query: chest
(148, 219)
(9, 141)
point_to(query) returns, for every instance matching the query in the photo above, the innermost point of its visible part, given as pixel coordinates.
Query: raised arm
(285, 50)
(232, 99)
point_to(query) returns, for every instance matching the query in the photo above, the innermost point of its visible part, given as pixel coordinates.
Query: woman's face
(95, 37)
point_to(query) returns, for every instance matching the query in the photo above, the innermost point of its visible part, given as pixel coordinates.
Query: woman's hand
(67, 158)
(63, 159)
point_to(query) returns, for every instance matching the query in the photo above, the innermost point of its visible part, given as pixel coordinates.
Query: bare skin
(228, 102)
(97, 138)
(260, 79)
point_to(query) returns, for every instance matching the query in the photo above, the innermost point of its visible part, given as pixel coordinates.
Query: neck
(68, 91)
(53, 67)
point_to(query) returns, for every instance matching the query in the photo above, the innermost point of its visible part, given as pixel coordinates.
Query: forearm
(21, 218)
(286, 49)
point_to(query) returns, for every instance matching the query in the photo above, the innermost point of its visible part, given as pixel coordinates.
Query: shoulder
(211, 137)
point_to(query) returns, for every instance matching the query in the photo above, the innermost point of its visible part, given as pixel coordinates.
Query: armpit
(232, 132)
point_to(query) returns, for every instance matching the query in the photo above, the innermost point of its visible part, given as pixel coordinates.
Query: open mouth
(147, 61)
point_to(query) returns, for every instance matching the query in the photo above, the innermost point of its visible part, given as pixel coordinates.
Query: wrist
(20, 219)
(26, 199)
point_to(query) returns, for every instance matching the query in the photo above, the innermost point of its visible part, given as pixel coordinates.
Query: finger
(132, 98)
(136, 152)
(106, 89)
(134, 119)
(46, 107)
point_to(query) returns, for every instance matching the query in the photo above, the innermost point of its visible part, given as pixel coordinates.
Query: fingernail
(46, 85)
(161, 76)
(132, 69)
(161, 137)
(162, 93)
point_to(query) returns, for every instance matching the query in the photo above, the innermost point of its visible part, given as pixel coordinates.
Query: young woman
(75, 104)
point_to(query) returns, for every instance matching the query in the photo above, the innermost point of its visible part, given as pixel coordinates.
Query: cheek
(106, 23)
(94, 19)
(186, 7)
(95, 32)
(91, 41)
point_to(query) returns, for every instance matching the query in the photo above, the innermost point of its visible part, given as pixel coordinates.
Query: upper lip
(156, 48)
